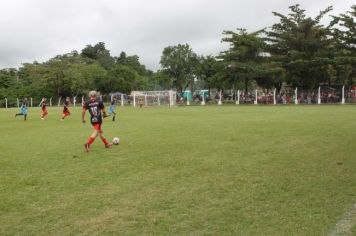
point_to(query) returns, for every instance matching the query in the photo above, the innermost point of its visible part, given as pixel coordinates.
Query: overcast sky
(41, 29)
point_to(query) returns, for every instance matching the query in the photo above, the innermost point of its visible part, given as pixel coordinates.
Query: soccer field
(214, 170)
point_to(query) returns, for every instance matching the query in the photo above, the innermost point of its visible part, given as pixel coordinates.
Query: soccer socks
(90, 141)
(44, 113)
(64, 115)
(21, 114)
(104, 141)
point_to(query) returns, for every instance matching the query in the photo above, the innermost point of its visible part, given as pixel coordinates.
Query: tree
(206, 71)
(179, 63)
(302, 46)
(160, 81)
(134, 63)
(86, 77)
(122, 78)
(344, 34)
(7, 79)
(99, 53)
(243, 61)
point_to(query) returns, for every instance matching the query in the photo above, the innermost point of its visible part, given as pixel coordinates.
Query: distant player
(97, 111)
(44, 108)
(112, 110)
(140, 101)
(23, 109)
(66, 111)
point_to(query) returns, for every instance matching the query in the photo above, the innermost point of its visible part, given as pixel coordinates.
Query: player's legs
(93, 136)
(44, 113)
(97, 131)
(103, 139)
(24, 112)
(114, 114)
(91, 140)
(65, 114)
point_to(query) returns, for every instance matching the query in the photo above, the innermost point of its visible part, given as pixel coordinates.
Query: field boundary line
(344, 226)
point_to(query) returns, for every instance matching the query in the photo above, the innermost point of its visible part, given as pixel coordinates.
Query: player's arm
(103, 109)
(83, 115)
(105, 114)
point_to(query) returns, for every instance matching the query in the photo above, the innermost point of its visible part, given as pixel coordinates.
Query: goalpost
(150, 98)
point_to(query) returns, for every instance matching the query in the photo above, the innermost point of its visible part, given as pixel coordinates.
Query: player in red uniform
(44, 108)
(97, 111)
(66, 111)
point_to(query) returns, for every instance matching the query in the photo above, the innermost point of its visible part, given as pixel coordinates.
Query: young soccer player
(66, 111)
(97, 112)
(112, 110)
(23, 109)
(140, 101)
(44, 108)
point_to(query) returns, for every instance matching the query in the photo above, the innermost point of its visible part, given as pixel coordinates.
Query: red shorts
(97, 126)
(44, 112)
(66, 113)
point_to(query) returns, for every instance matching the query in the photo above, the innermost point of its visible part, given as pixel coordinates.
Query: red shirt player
(44, 108)
(66, 111)
(96, 109)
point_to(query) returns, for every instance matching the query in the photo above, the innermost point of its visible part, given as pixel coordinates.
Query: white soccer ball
(116, 141)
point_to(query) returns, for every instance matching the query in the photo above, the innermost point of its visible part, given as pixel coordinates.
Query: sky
(41, 29)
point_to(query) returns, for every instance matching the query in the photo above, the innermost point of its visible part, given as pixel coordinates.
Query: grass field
(230, 170)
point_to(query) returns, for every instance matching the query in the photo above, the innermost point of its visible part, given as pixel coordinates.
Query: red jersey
(44, 105)
(65, 107)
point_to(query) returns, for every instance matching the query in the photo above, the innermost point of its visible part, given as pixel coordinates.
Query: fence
(322, 95)
(136, 98)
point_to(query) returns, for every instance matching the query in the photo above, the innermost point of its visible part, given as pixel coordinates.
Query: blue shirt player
(23, 109)
(112, 110)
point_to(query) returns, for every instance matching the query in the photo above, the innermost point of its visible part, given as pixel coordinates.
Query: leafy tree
(243, 61)
(344, 34)
(99, 53)
(160, 81)
(206, 70)
(302, 46)
(122, 78)
(7, 79)
(134, 63)
(179, 63)
(86, 77)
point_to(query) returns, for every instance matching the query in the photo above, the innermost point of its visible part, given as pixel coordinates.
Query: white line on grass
(344, 226)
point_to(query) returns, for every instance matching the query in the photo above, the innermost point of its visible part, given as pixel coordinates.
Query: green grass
(230, 170)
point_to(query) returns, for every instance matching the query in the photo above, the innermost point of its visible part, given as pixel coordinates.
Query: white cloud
(40, 29)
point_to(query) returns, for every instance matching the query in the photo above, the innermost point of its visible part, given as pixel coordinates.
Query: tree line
(297, 51)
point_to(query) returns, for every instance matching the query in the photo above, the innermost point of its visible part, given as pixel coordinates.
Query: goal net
(146, 98)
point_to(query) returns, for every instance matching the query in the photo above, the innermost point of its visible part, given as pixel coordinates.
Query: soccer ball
(116, 141)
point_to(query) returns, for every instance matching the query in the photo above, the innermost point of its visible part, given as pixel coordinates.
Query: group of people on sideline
(283, 97)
